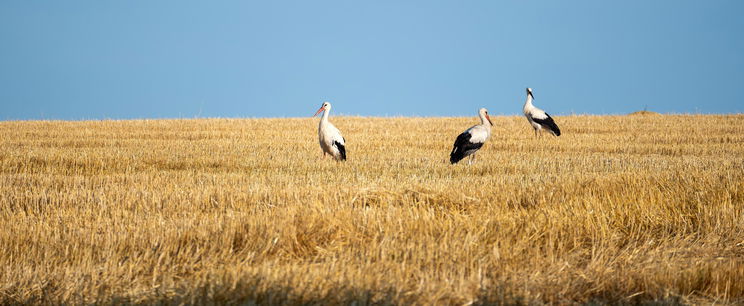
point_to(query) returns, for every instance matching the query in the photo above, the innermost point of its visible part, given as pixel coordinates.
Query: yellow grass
(643, 113)
(618, 209)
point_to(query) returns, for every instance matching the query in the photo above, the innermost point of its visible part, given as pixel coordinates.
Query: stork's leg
(535, 132)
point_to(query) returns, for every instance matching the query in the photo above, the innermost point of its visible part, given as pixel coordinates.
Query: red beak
(489, 120)
(319, 110)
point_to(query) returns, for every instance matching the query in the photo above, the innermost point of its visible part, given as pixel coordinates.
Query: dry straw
(618, 209)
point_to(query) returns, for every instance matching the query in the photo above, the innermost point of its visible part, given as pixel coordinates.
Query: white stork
(329, 136)
(472, 139)
(538, 118)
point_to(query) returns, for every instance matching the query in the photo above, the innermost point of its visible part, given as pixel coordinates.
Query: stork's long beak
(533, 96)
(489, 119)
(318, 112)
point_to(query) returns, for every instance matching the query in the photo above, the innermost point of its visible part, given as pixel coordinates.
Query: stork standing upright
(472, 139)
(538, 118)
(329, 136)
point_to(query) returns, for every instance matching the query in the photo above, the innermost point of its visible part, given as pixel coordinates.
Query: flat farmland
(621, 209)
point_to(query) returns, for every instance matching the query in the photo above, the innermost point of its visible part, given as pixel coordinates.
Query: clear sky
(165, 59)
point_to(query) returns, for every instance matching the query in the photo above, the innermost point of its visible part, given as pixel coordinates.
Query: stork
(331, 141)
(472, 139)
(538, 118)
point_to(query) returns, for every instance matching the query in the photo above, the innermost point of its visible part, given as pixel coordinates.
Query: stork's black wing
(548, 124)
(463, 147)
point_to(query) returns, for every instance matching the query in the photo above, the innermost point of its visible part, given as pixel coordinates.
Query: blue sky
(166, 59)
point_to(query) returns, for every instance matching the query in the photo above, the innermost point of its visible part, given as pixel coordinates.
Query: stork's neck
(484, 120)
(528, 103)
(324, 119)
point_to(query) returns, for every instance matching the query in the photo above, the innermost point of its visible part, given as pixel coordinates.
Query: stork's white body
(479, 133)
(530, 111)
(329, 137)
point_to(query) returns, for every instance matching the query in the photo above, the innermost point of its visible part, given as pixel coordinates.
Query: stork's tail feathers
(553, 128)
(456, 155)
(548, 124)
(341, 149)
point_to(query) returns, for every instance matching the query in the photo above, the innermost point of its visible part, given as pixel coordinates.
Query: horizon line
(651, 113)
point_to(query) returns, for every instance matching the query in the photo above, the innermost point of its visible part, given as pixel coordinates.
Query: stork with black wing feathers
(539, 119)
(472, 139)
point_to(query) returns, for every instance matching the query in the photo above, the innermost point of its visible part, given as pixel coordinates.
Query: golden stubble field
(619, 209)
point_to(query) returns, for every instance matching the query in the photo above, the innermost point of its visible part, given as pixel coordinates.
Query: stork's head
(325, 107)
(529, 92)
(483, 113)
